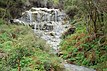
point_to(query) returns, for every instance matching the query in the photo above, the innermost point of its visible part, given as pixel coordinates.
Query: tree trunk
(19, 68)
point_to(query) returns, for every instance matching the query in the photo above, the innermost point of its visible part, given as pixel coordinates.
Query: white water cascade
(49, 24)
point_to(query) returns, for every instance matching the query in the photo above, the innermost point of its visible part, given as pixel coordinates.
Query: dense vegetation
(84, 49)
(21, 50)
(10, 9)
(88, 46)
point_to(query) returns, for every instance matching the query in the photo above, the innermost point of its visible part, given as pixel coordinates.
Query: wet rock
(11, 21)
(52, 34)
(70, 67)
(41, 3)
(59, 54)
(32, 26)
(69, 31)
(16, 21)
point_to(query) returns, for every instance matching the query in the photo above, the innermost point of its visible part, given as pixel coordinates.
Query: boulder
(69, 31)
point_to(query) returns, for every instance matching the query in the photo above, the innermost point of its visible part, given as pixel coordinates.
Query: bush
(24, 50)
(71, 11)
(84, 49)
(2, 12)
(1, 21)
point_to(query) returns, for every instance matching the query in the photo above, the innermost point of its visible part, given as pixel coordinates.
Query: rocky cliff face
(59, 4)
(41, 3)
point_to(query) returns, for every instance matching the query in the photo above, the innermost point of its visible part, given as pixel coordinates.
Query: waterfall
(46, 22)
(30, 16)
(49, 24)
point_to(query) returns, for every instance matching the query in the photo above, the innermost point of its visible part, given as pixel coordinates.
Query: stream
(50, 24)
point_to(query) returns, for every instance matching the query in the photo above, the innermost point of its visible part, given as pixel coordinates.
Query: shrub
(2, 21)
(25, 51)
(71, 11)
(2, 12)
(83, 49)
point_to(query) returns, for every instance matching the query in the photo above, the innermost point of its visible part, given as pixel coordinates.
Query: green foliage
(70, 3)
(2, 21)
(71, 8)
(8, 6)
(23, 49)
(92, 12)
(83, 49)
(71, 11)
(56, 1)
(2, 12)
(87, 46)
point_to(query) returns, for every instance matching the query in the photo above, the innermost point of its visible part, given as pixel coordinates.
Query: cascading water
(30, 16)
(49, 24)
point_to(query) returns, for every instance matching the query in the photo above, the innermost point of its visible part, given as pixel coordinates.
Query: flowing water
(49, 24)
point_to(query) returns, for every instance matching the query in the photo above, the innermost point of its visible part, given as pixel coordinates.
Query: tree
(95, 12)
